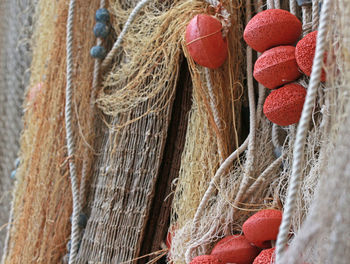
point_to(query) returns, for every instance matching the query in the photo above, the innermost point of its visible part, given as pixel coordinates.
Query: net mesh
(268, 177)
(15, 60)
(42, 203)
(136, 99)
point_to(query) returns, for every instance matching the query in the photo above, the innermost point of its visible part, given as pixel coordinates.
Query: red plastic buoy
(206, 259)
(235, 249)
(262, 227)
(267, 256)
(205, 42)
(272, 28)
(276, 67)
(284, 105)
(305, 53)
(170, 235)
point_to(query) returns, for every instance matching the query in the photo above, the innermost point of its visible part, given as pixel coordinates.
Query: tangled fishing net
(135, 102)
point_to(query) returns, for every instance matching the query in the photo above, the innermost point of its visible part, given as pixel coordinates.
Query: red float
(305, 53)
(284, 106)
(169, 236)
(276, 67)
(263, 227)
(205, 42)
(267, 256)
(206, 259)
(235, 249)
(272, 28)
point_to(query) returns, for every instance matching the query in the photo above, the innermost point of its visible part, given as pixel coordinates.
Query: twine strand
(299, 147)
(70, 136)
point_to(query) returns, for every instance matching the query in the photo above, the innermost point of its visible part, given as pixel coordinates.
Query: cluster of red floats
(272, 32)
(258, 232)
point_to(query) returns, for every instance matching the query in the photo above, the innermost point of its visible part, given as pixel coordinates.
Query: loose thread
(298, 155)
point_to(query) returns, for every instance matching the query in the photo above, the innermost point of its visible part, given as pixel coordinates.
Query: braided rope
(262, 177)
(214, 109)
(293, 7)
(299, 147)
(69, 135)
(270, 4)
(277, 4)
(212, 186)
(249, 164)
(315, 14)
(108, 60)
(307, 19)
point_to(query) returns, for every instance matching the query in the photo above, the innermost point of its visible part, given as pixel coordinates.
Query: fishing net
(42, 203)
(257, 179)
(323, 238)
(15, 60)
(135, 103)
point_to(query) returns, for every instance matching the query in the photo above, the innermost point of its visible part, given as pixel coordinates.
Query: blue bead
(17, 162)
(82, 221)
(304, 2)
(98, 52)
(101, 30)
(69, 245)
(278, 152)
(13, 174)
(102, 15)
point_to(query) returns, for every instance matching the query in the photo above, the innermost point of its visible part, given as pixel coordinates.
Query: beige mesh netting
(135, 105)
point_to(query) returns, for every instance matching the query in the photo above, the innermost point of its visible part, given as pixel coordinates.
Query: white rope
(270, 4)
(275, 137)
(107, 61)
(293, 7)
(214, 109)
(277, 4)
(262, 177)
(212, 186)
(249, 163)
(298, 155)
(307, 19)
(315, 14)
(69, 135)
